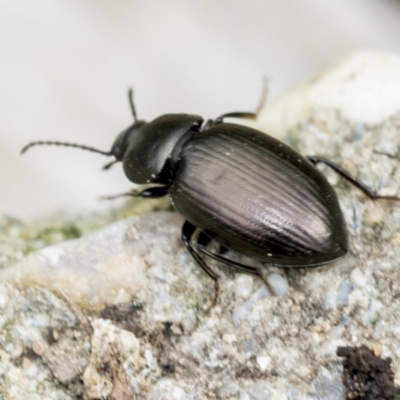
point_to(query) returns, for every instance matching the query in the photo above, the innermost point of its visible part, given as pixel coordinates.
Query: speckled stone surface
(274, 338)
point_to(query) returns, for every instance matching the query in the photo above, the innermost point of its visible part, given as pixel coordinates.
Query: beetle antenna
(132, 104)
(51, 143)
(264, 95)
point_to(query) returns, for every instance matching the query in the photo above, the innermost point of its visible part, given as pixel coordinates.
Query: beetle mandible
(244, 189)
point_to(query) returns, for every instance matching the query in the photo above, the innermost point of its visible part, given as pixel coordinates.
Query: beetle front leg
(352, 179)
(187, 232)
(150, 193)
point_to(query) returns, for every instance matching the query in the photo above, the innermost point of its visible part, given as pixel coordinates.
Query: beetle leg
(203, 240)
(149, 193)
(246, 115)
(352, 179)
(264, 95)
(236, 114)
(223, 249)
(187, 231)
(154, 192)
(231, 263)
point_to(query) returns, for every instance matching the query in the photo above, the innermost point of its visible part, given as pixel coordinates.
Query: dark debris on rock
(366, 376)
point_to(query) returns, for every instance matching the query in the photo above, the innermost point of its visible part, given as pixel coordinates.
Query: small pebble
(303, 371)
(358, 278)
(263, 363)
(344, 290)
(229, 338)
(387, 147)
(377, 349)
(39, 347)
(278, 285)
(244, 285)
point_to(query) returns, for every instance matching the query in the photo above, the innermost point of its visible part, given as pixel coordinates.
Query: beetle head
(121, 143)
(149, 151)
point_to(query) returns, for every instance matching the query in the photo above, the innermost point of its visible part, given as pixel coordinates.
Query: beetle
(246, 190)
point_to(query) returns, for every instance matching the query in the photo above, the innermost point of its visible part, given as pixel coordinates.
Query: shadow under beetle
(246, 190)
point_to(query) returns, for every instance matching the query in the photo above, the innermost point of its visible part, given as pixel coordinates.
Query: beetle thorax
(153, 150)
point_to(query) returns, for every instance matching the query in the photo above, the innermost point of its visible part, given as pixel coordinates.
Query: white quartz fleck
(358, 278)
(263, 362)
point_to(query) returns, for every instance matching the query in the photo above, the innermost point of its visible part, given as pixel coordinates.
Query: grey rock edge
(267, 339)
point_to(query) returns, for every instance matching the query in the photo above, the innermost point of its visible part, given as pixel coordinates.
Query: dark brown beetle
(246, 190)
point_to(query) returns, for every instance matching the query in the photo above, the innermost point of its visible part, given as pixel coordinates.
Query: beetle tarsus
(217, 294)
(350, 178)
(241, 114)
(132, 193)
(264, 95)
(150, 193)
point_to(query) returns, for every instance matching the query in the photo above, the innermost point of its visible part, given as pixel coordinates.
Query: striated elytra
(240, 187)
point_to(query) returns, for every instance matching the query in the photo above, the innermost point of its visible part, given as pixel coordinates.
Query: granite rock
(124, 312)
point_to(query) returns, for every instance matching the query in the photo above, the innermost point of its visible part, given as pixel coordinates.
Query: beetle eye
(116, 151)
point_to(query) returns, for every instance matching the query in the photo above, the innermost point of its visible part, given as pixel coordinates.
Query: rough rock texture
(122, 313)
(17, 239)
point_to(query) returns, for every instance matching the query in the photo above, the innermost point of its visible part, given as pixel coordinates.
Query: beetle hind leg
(203, 240)
(231, 263)
(350, 178)
(187, 232)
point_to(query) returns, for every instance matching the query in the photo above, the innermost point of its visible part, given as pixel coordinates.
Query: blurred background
(65, 68)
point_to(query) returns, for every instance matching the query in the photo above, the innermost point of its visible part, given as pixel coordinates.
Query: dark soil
(365, 376)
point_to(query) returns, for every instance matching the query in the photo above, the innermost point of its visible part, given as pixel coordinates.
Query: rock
(166, 389)
(68, 358)
(358, 278)
(114, 361)
(125, 310)
(361, 87)
(108, 266)
(343, 293)
(32, 362)
(278, 285)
